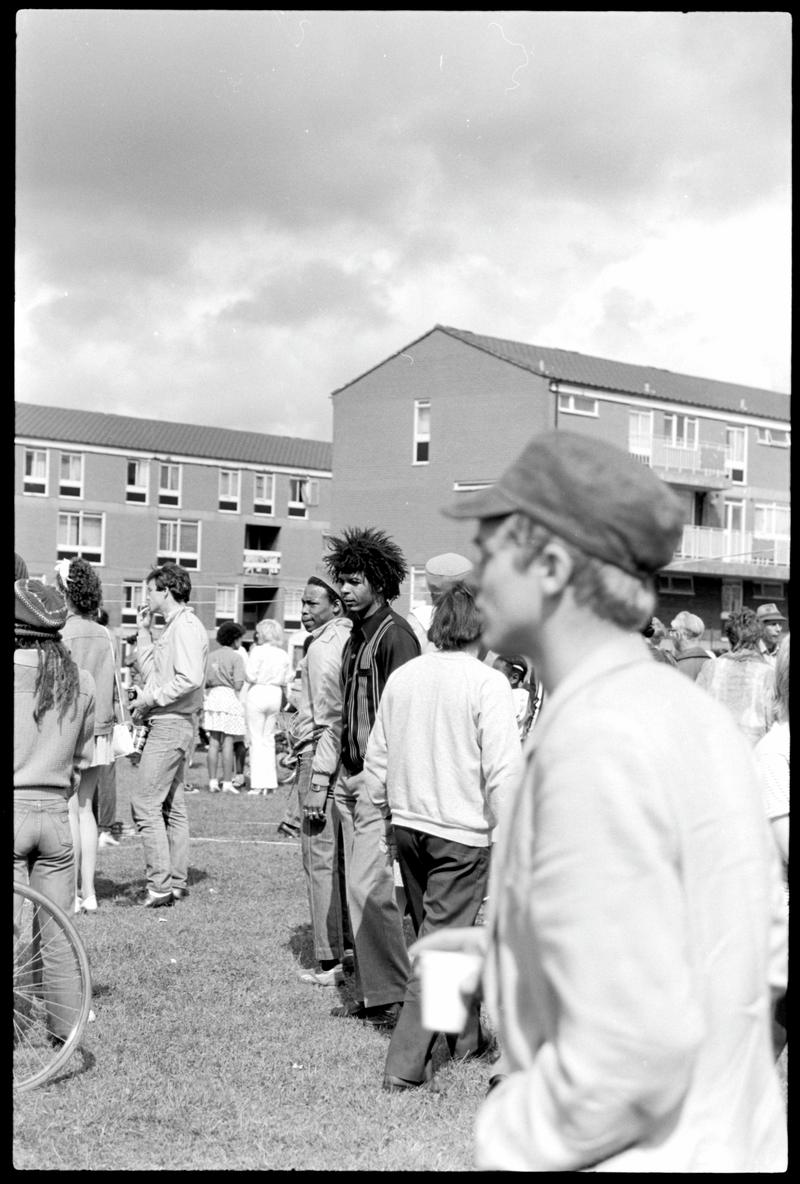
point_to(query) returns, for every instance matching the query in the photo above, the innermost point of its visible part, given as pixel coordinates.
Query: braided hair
(371, 553)
(57, 678)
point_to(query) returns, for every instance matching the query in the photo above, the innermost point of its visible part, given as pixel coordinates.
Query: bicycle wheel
(52, 988)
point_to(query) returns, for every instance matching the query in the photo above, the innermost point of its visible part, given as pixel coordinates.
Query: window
(297, 505)
(136, 489)
(179, 542)
(577, 405)
(676, 584)
(169, 485)
(735, 454)
(640, 435)
(776, 437)
(81, 534)
(771, 520)
(35, 472)
(420, 593)
(292, 606)
(680, 430)
(764, 590)
(422, 432)
(731, 600)
(225, 604)
(70, 475)
(264, 493)
(229, 483)
(134, 592)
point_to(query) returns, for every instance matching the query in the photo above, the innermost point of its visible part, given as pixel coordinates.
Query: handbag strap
(120, 700)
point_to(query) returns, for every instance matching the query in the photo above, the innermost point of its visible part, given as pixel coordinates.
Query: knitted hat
(20, 567)
(591, 494)
(39, 610)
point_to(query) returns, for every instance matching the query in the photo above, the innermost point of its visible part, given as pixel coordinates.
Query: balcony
(732, 546)
(262, 563)
(704, 466)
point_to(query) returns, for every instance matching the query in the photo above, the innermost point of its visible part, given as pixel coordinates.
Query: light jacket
(636, 937)
(90, 645)
(173, 666)
(318, 721)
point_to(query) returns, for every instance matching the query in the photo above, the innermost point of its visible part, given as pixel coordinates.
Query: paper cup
(449, 980)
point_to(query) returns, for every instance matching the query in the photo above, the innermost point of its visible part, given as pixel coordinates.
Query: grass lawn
(206, 1051)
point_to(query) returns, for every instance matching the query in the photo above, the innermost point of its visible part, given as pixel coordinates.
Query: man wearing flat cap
(771, 622)
(634, 939)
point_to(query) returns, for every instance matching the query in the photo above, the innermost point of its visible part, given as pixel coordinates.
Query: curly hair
(173, 578)
(743, 629)
(371, 553)
(229, 631)
(83, 587)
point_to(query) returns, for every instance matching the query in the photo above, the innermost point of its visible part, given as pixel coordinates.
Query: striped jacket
(376, 647)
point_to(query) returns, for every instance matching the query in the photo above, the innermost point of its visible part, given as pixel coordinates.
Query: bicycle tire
(39, 1052)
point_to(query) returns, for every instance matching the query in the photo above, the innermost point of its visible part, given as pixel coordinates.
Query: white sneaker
(254, 793)
(106, 839)
(324, 978)
(228, 787)
(213, 785)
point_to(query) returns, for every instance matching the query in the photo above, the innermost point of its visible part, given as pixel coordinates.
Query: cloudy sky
(221, 217)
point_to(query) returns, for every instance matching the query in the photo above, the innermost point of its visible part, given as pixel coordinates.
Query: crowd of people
(531, 768)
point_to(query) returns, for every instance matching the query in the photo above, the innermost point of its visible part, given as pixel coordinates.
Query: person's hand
(391, 842)
(314, 806)
(143, 616)
(472, 939)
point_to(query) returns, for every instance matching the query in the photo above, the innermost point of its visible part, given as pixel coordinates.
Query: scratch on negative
(517, 45)
(411, 360)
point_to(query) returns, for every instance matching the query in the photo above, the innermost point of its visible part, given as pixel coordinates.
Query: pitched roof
(624, 377)
(602, 374)
(64, 425)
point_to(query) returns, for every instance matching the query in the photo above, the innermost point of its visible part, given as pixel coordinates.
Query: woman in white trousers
(267, 674)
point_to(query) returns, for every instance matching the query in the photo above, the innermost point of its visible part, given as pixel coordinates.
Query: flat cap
(591, 494)
(769, 612)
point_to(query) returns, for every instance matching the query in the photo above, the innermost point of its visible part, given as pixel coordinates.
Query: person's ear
(555, 565)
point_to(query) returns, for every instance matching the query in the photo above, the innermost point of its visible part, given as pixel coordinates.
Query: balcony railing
(704, 460)
(262, 563)
(733, 546)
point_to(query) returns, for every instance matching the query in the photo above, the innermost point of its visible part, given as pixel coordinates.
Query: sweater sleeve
(501, 751)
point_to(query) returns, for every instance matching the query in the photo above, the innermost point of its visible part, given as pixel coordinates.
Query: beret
(38, 607)
(445, 569)
(591, 494)
(321, 575)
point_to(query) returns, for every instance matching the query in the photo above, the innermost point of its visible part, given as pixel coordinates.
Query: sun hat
(445, 569)
(591, 494)
(769, 612)
(39, 610)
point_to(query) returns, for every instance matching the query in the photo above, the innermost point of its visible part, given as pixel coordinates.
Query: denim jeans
(445, 883)
(382, 965)
(158, 803)
(320, 843)
(43, 857)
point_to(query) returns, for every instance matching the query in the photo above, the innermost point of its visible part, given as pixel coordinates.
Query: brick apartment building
(447, 413)
(244, 512)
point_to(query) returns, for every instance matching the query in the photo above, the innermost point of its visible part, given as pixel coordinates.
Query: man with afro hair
(369, 568)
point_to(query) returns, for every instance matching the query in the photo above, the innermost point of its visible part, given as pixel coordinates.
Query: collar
(331, 626)
(364, 629)
(627, 650)
(179, 607)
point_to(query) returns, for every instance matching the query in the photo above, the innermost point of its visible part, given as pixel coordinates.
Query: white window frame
(134, 592)
(682, 431)
(226, 602)
(296, 506)
(263, 504)
(731, 596)
(230, 490)
(80, 519)
(170, 495)
(32, 484)
(71, 486)
(421, 454)
(676, 583)
(137, 493)
(640, 439)
(771, 510)
(174, 552)
(293, 600)
(775, 437)
(571, 404)
(735, 456)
